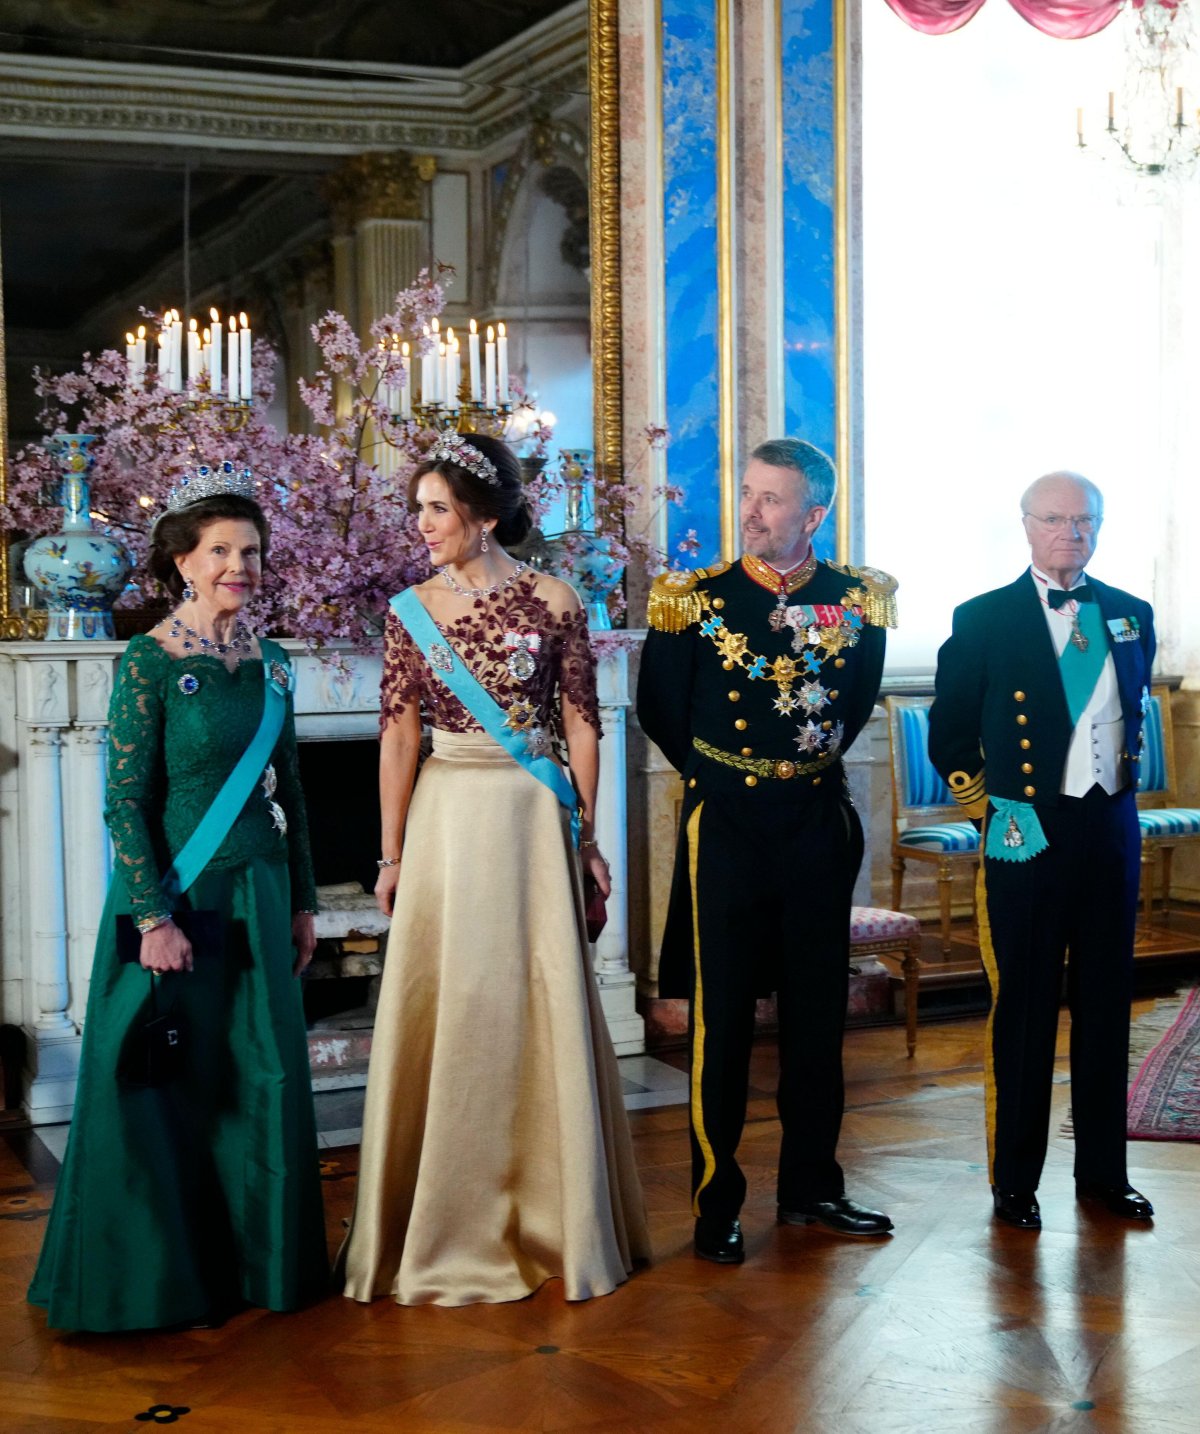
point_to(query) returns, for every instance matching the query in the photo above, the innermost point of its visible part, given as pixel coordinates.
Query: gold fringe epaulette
(674, 604)
(876, 594)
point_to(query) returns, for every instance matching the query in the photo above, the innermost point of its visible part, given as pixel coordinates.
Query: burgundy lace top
(531, 653)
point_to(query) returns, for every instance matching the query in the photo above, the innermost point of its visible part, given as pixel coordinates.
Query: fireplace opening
(341, 792)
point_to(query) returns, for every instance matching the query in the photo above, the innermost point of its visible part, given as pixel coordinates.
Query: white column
(91, 864)
(618, 994)
(45, 879)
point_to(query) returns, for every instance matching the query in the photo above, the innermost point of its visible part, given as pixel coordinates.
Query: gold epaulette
(674, 604)
(876, 596)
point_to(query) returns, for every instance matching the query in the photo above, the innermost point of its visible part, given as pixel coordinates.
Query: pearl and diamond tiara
(454, 448)
(211, 480)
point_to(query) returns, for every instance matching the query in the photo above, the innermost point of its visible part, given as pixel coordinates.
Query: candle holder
(466, 418)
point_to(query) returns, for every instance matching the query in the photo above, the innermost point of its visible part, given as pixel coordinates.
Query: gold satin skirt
(495, 1151)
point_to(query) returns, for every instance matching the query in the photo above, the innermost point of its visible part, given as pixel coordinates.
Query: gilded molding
(841, 284)
(726, 298)
(10, 623)
(376, 186)
(605, 220)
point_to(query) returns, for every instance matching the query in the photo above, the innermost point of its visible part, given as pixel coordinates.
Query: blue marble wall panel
(689, 98)
(808, 230)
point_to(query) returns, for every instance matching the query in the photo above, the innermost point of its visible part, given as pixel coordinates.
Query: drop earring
(483, 543)
(189, 592)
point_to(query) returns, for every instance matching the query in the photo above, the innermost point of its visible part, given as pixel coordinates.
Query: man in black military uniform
(755, 679)
(1037, 728)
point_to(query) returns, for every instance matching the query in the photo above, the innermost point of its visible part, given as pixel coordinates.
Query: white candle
(425, 379)
(405, 382)
(439, 374)
(246, 391)
(473, 359)
(234, 355)
(489, 369)
(130, 359)
(454, 374)
(194, 357)
(502, 364)
(176, 352)
(214, 368)
(164, 373)
(139, 358)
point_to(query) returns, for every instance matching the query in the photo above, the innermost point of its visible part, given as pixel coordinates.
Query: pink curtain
(1063, 19)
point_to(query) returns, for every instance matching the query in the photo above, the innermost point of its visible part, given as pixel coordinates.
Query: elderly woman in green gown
(180, 1201)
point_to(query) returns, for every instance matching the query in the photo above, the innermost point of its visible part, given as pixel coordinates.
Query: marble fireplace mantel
(55, 856)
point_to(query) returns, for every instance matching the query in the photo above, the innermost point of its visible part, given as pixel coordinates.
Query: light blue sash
(463, 683)
(1080, 671)
(201, 846)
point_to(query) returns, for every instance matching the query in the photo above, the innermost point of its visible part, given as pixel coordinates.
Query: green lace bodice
(170, 750)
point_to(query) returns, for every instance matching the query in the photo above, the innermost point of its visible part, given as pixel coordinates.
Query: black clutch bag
(154, 1047)
(595, 913)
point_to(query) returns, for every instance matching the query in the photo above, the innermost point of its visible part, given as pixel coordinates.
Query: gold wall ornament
(379, 184)
(605, 207)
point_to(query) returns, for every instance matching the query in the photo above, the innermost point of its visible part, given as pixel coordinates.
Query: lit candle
(176, 351)
(130, 359)
(405, 382)
(425, 379)
(246, 391)
(194, 358)
(501, 365)
(439, 375)
(473, 359)
(234, 355)
(139, 373)
(453, 374)
(489, 369)
(214, 368)
(164, 372)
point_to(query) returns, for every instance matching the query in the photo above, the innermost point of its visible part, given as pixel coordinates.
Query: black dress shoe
(1018, 1208)
(841, 1214)
(1121, 1200)
(719, 1241)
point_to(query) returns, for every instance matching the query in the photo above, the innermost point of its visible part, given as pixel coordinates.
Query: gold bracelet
(583, 841)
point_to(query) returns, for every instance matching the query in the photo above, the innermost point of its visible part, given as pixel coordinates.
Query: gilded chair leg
(1167, 853)
(945, 887)
(897, 880)
(911, 965)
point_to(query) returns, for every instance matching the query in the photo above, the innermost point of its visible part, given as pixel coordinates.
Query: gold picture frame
(604, 183)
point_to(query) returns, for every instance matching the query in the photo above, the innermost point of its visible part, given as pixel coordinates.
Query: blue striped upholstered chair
(925, 824)
(1164, 825)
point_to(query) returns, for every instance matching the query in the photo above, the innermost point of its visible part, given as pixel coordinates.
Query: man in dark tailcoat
(1042, 688)
(755, 679)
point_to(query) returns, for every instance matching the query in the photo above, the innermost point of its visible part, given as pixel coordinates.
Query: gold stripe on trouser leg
(697, 1102)
(988, 954)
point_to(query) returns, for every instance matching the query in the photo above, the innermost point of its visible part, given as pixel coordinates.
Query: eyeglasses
(1058, 522)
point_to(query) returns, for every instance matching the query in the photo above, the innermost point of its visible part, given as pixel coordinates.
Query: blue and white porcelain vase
(79, 571)
(577, 553)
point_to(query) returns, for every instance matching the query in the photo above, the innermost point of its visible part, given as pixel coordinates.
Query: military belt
(782, 770)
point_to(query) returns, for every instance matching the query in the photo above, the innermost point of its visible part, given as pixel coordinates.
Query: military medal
(1077, 636)
(523, 648)
(1013, 837)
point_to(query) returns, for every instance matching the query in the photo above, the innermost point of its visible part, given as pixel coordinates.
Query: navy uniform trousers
(780, 887)
(1077, 898)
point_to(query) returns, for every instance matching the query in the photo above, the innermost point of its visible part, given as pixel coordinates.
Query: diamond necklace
(483, 592)
(241, 641)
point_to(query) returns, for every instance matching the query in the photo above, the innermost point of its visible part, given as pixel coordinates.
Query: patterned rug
(1164, 1098)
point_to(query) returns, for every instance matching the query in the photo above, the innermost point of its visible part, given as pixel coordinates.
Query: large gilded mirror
(203, 155)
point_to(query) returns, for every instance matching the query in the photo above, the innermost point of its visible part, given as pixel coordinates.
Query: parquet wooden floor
(954, 1324)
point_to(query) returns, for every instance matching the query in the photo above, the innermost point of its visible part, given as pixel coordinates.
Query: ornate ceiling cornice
(349, 110)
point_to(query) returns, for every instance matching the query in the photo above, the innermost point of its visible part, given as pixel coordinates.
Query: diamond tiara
(211, 480)
(454, 449)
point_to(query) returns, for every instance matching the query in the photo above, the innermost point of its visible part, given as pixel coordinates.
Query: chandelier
(1153, 125)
